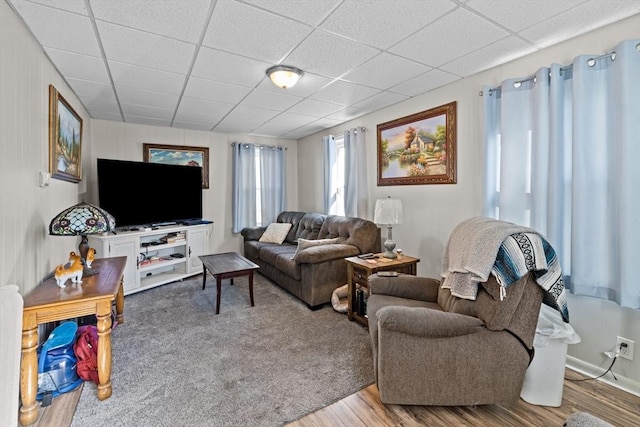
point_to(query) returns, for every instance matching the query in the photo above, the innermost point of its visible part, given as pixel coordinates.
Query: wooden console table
(359, 270)
(50, 303)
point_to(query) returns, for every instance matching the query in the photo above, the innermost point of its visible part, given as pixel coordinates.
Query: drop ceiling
(200, 64)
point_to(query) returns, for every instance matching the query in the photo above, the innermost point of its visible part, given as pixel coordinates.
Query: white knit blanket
(471, 252)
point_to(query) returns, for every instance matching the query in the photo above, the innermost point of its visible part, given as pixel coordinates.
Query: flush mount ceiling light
(284, 76)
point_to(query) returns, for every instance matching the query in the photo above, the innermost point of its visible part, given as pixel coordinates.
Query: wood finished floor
(365, 409)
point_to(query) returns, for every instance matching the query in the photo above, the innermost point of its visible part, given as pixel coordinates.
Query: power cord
(615, 357)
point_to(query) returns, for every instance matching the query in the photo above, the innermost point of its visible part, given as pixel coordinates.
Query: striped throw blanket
(482, 246)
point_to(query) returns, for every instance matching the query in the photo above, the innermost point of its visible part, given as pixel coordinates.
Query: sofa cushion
(357, 232)
(309, 226)
(280, 257)
(276, 233)
(293, 218)
(304, 243)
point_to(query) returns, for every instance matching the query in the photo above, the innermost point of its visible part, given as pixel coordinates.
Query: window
(337, 208)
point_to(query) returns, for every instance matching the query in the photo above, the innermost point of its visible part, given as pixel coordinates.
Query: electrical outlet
(626, 347)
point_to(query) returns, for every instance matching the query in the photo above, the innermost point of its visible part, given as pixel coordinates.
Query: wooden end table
(49, 303)
(227, 266)
(359, 270)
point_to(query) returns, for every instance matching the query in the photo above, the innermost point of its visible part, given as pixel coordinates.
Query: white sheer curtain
(330, 173)
(561, 156)
(272, 183)
(249, 187)
(356, 196)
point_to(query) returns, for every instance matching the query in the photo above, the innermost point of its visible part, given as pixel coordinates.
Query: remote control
(367, 255)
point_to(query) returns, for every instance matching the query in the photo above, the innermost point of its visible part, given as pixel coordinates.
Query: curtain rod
(259, 145)
(590, 62)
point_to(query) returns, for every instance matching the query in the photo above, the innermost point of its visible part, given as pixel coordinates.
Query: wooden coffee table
(227, 266)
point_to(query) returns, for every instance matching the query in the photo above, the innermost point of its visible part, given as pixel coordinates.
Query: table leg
(104, 350)
(204, 277)
(120, 303)
(219, 291)
(29, 370)
(251, 287)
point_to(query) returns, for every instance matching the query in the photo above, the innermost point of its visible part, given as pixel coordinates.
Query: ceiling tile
(130, 95)
(144, 49)
(579, 20)
(246, 118)
(329, 55)
(78, 66)
(201, 111)
(71, 32)
(146, 111)
(489, 56)
(147, 121)
(91, 90)
(146, 78)
(69, 6)
(244, 30)
(166, 18)
(455, 35)
(345, 93)
(284, 123)
(194, 126)
(384, 71)
(313, 107)
(215, 91)
(523, 14)
(383, 23)
(348, 113)
(105, 115)
(311, 12)
(269, 100)
(229, 68)
(424, 82)
(380, 100)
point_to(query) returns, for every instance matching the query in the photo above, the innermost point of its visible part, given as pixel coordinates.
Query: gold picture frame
(179, 155)
(418, 149)
(65, 139)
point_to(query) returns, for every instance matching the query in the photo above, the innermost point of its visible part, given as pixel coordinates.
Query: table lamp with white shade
(388, 212)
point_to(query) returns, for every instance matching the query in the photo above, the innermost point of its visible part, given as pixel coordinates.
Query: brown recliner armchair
(432, 348)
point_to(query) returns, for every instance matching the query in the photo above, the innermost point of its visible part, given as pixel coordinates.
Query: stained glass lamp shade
(80, 220)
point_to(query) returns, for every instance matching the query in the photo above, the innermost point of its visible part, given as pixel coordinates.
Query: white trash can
(544, 379)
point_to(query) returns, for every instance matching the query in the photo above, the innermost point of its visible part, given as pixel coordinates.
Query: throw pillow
(304, 244)
(276, 233)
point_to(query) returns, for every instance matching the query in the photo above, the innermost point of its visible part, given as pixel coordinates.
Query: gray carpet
(176, 363)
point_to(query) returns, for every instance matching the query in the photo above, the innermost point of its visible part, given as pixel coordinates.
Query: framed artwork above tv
(179, 155)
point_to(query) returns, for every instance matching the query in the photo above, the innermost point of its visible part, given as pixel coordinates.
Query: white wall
(431, 211)
(123, 141)
(27, 252)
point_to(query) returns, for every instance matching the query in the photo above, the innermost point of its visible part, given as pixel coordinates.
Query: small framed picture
(179, 155)
(65, 139)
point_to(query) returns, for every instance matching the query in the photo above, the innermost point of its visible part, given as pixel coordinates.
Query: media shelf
(158, 256)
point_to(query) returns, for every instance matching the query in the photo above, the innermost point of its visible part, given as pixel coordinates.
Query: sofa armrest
(405, 286)
(318, 254)
(252, 233)
(426, 322)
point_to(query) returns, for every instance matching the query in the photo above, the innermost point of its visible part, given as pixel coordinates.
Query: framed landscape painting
(419, 149)
(65, 139)
(179, 155)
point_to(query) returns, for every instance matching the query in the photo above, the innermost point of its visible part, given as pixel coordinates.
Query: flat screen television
(147, 194)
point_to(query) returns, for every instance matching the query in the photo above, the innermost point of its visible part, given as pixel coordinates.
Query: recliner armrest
(426, 322)
(252, 233)
(405, 286)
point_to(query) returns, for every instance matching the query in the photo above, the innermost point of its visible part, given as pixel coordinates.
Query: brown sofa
(432, 348)
(316, 271)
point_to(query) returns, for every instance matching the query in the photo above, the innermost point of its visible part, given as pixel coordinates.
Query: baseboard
(623, 383)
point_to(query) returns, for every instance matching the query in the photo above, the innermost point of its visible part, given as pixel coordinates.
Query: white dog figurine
(73, 272)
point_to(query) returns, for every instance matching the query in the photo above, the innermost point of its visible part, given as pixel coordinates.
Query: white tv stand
(151, 259)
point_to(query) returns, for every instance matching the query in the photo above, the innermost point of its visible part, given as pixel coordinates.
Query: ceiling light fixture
(284, 76)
